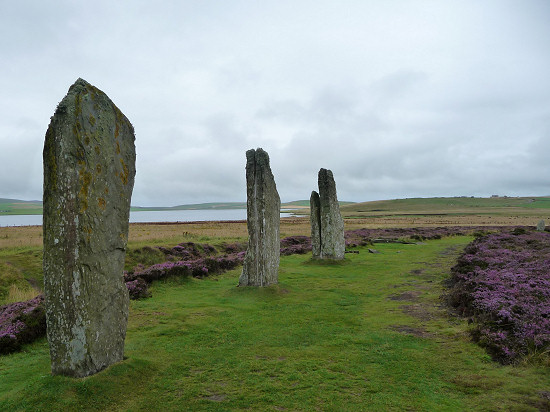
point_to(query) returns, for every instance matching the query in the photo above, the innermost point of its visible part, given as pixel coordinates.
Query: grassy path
(366, 334)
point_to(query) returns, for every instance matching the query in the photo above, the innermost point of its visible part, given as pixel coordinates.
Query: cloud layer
(398, 98)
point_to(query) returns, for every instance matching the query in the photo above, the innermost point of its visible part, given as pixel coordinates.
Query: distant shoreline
(13, 207)
(151, 217)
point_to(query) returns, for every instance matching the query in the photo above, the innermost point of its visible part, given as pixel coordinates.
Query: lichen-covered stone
(261, 262)
(89, 168)
(541, 226)
(315, 219)
(326, 214)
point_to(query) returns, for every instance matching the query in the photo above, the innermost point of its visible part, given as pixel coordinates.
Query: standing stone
(315, 219)
(261, 262)
(541, 226)
(327, 225)
(89, 168)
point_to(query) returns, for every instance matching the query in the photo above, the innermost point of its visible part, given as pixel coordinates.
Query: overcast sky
(398, 98)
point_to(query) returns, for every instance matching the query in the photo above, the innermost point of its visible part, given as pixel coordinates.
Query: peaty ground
(368, 333)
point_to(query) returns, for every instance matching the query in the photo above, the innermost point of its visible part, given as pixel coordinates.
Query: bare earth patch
(411, 296)
(410, 330)
(216, 398)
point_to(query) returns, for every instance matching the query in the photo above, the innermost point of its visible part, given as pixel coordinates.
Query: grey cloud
(397, 99)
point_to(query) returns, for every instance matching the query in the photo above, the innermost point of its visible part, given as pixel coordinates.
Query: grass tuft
(17, 294)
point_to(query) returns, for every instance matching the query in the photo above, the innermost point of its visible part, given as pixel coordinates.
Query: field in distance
(20, 207)
(451, 211)
(34, 207)
(447, 205)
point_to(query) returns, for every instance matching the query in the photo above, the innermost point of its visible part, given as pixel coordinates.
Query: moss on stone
(124, 173)
(49, 158)
(78, 105)
(81, 156)
(85, 179)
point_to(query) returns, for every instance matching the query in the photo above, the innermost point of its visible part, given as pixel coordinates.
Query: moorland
(370, 333)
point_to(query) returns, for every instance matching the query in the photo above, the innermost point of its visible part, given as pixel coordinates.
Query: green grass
(448, 204)
(21, 267)
(365, 334)
(540, 203)
(20, 207)
(146, 256)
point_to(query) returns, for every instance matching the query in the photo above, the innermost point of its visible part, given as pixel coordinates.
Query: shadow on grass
(277, 290)
(327, 262)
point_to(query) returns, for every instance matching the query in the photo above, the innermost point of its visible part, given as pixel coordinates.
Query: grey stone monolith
(327, 225)
(315, 219)
(541, 226)
(261, 262)
(89, 168)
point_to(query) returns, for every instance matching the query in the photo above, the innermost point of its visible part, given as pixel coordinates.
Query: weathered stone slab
(89, 168)
(541, 226)
(261, 262)
(332, 244)
(315, 220)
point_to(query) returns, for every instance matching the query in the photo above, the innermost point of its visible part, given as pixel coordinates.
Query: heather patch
(198, 267)
(295, 245)
(188, 251)
(138, 289)
(234, 247)
(200, 260)
(183, 260)
(20, 323)
(24, 322)
(363, 237)
(502, 282)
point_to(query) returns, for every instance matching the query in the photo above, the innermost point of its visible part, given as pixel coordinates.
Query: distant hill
(296, 204)
(404, 207)
(448, 206)
(300, 204)
(196, 206)
(20, 207)
(34, 207)
(449, 203)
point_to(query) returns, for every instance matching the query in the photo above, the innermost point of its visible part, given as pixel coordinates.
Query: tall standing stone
(261, 262)
(89, 168)
(327, 225)
(315, 219)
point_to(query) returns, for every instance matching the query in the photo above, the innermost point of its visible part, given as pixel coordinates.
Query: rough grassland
(366, 334)
(452, 211)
